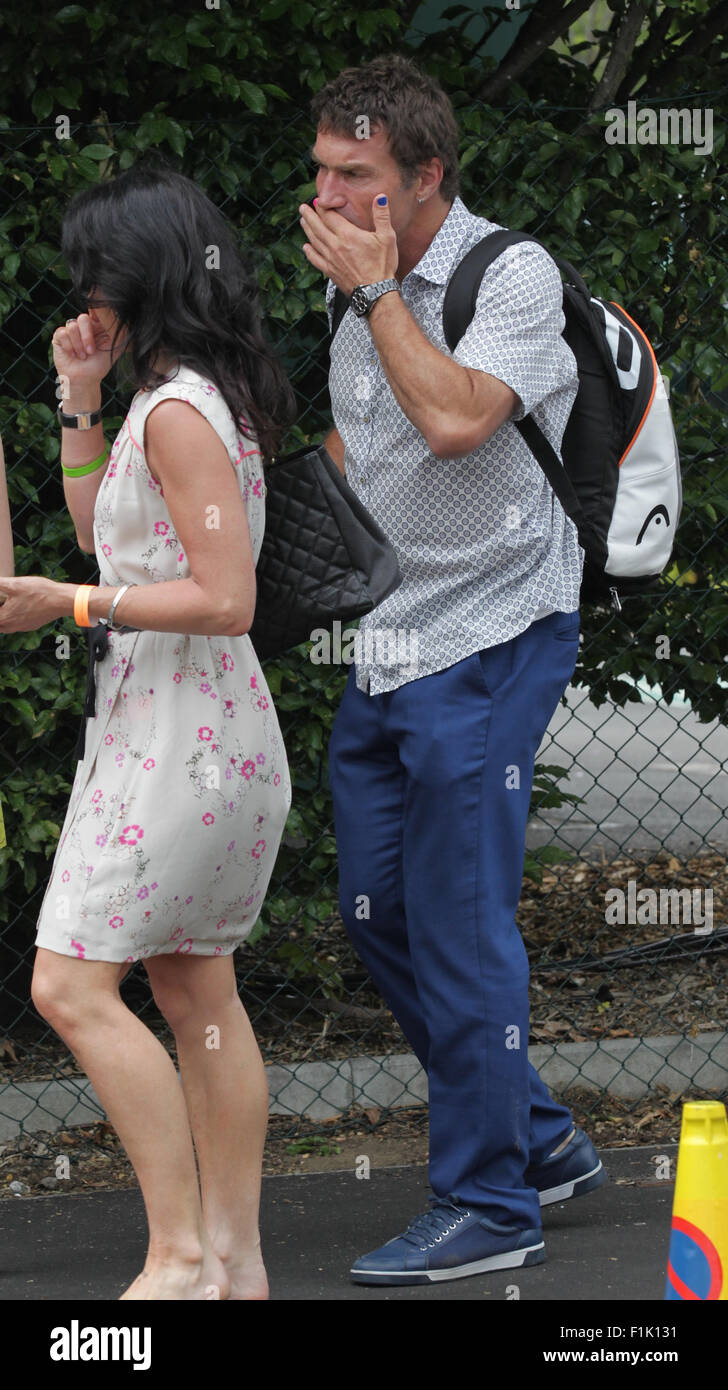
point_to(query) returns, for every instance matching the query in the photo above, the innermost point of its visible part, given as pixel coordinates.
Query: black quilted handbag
(323, 556)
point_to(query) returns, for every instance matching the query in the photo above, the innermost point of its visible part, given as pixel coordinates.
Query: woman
(179, 802)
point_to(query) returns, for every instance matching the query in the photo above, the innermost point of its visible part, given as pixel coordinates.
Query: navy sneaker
(449, 1242)
(571, 1173)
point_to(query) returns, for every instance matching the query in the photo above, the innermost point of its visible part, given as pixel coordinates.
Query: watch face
(359, 300)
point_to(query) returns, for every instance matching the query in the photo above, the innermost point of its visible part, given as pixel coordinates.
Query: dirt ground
(97, 1160)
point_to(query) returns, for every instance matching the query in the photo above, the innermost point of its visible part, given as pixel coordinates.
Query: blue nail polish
(382, 200)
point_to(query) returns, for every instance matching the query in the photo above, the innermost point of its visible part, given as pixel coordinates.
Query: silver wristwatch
(363, 296)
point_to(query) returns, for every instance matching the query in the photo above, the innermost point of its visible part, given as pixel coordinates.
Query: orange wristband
(80, 604)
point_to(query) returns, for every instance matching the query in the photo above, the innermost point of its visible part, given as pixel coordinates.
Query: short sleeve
(515, 333)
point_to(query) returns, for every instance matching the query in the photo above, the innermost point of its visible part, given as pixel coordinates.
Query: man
(432, 759)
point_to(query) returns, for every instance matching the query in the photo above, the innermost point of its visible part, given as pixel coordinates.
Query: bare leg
(136, 1082)
(225, 1086)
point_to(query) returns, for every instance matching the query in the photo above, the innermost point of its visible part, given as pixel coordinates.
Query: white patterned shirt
(483, 545)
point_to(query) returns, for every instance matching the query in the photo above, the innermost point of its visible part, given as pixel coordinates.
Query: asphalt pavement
(610, 1245)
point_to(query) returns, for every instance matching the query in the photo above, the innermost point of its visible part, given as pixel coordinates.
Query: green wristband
(86, 467)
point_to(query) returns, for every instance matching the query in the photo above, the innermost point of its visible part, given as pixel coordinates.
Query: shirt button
(362, 477)
(366, 419)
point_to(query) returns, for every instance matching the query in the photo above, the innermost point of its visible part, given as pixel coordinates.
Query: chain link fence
(624, 896)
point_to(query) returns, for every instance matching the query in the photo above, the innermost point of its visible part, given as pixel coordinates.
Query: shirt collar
(437, 263)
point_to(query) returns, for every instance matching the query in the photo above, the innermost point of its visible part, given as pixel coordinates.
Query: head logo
(655, 514)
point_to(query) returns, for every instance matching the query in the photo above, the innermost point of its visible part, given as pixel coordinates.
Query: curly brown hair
(411, 106)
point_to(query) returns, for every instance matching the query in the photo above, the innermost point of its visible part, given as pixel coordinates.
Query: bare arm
(208, 515)
(334, 445)
(455, 408)
(79, 447)
(7, 557)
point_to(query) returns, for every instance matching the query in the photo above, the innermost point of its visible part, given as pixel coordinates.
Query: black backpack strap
(341, 304)
(552, 466)
(458, 308)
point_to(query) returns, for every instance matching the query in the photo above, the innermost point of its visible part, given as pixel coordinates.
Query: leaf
(211, 73)
(41, 104)
(254, 97)
(7, 1049)
(174, 50)
(97, 151)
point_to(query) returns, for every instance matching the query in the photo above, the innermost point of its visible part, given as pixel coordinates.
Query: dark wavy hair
(141, 242)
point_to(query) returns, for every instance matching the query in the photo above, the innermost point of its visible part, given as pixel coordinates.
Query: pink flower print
(276, 779)
(189, 900)
(208, 818)
(115, 669)
(254, 682)
(257, 486)
(143, 892)
(221, 923)
(260, 757)
(205, 686)
(181, 555)
(177, 677)
(262, 703)
(229, 710)
(204, 733)
(218, 950)
(78, 948)
(248, 901)
(116, 922)
(231, 847)
(109, 738)
(177, 932)
(227, 662)
(131, 839)
(161, 528)
(258, 849)
(101, 840)
(148, 764)
(155, 885)
(130, 959)
(65, 875)
(248, 764)
(209, 389)
(188, 942)
(106, 550)
(97, 795)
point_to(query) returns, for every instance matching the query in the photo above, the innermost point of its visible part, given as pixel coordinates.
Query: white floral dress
(180, 801)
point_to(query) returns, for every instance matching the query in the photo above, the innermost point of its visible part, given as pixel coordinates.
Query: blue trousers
(431, 787)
